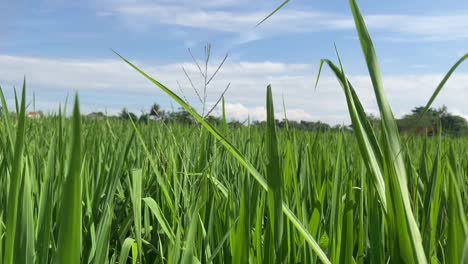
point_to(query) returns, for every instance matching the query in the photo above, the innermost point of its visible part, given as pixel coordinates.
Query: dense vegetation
(171, 191)
(114, 191)
(433, 120)
(414, 123)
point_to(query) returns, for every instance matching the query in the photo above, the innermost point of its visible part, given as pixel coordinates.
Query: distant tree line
(432, 122)
(156, 114)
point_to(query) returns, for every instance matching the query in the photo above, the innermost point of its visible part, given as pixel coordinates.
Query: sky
(62, 47)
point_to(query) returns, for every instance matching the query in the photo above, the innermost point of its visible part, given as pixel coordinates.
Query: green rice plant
(275, 184)
(216, 212)
(77, 190)
(15, 181)
(260, 179)
(70, 225)
(384, 159)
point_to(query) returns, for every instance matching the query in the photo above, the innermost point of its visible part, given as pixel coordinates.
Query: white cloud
(67, 73)
(396, 27)
(240, 112)
(422, 27)
(115, 85)
(227, 20)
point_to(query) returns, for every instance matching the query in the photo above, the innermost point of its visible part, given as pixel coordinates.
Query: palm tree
(155, 110)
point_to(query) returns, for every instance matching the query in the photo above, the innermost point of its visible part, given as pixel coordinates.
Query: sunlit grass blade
(17, 104)
(125, 250)
(224, 120)
(347, 240)
(457, 251)
(6, 119)
(16, 178)
(153, 206)
(409, 237)
(365, 136)
(272, 13)
(187, 256)
(161, 181)
(137, 176)
(432, 205)
(103, 237)
(242, 160)
(70, 225)
(336, 208)
(241, 235)
(274, 178)
(44, 224)
(442, 84)
(24, 243)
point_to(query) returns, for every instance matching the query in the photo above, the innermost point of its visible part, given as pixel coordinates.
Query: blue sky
(64, 46)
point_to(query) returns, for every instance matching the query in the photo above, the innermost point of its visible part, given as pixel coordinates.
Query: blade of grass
(187, 256)
(224, 129)
(368, 145)
(103, 236)
(125, 251)
(24, 243)
(413, 238)
(242, 160)
(160, 180)
(274, 178)
(6, 119)
(272, 13)
(153, 206)
(44, 225)
(137, 176)
(441, 85)
(457, 220)
(16, 177)
(69, 240)
(336, 208)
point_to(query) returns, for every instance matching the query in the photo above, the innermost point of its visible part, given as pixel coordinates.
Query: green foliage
(126, 115)
(421, 121)
(76, 190)
(70, 214)
(454, 125)
(15, 179)
(328, 189)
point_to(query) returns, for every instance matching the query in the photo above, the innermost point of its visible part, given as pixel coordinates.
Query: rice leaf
(236, 153)
(70, 229)
(272, 13)
(16, 178)
(409, 236)
(153, 206)
(274, 178)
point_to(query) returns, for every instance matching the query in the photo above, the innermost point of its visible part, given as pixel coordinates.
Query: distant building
(34, 115)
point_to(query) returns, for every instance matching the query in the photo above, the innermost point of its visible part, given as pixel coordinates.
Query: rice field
(76, 190)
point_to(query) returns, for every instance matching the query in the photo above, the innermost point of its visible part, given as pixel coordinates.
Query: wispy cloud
(396, 27)
(422, 28)
(226, 20)
(240, 112)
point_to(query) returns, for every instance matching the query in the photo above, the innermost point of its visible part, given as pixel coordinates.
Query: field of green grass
(76, 190)
(172, 193)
